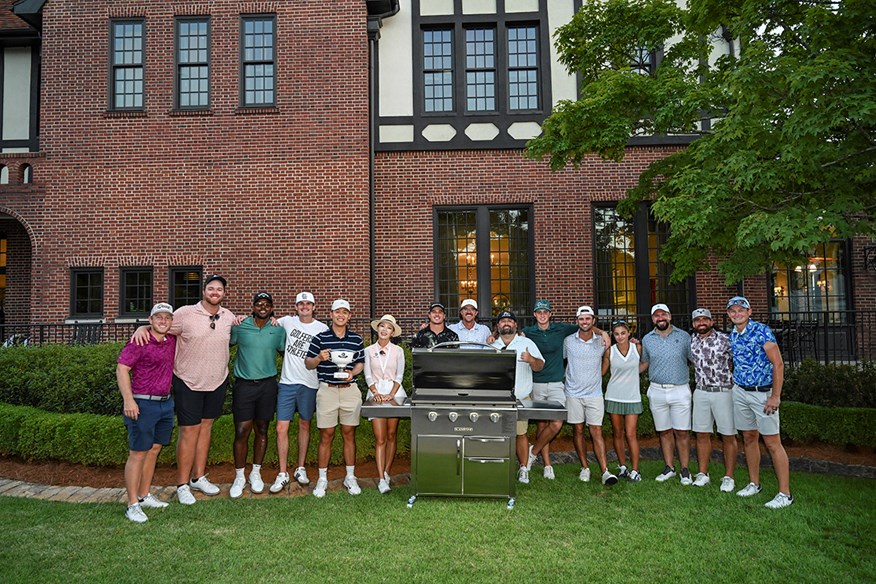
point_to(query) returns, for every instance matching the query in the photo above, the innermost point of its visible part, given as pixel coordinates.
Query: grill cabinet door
(439, 465)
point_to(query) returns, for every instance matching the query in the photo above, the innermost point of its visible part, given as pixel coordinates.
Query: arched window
(26, 174)
(4, 175)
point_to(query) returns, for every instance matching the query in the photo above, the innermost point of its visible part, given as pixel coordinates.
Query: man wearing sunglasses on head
(200, 380)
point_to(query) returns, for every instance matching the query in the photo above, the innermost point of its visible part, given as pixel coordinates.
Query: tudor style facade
(365, 149)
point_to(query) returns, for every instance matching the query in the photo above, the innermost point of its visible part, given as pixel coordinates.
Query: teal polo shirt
(550, 343)
(257, 349)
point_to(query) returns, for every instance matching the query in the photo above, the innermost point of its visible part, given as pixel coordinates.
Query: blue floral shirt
(751, 366)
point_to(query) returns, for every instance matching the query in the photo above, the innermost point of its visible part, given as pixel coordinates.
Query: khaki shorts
(748, 412)
(338, 405)
(713, 409)
(552, 391)
(523, 424)
(585, 409)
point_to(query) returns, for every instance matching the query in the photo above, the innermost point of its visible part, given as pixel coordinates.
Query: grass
(563, 530)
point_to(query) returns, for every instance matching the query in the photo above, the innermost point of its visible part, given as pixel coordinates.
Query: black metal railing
(828, 337)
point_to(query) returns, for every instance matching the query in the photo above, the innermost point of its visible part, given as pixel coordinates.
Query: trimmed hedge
(831, 384)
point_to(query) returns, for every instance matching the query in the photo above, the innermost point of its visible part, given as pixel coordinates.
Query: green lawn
(561, 531)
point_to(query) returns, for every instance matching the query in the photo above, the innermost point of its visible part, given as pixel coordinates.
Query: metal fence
(828, 337)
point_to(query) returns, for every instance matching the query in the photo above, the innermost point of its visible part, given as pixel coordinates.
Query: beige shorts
(589, 410)
(749, 415)
(522, 423)
(338, 405)
(552, 391)
(711, 409)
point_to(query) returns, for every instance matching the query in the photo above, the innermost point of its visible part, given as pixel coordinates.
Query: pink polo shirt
(201, 352)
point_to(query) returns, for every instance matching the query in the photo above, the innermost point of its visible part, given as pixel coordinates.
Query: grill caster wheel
(411, 501)
(511, 503)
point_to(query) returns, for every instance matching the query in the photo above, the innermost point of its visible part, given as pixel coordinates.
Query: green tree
(787, 156)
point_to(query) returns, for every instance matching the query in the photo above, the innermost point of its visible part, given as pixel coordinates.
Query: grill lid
(463, 375)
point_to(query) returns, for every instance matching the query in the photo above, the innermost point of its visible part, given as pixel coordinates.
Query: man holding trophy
(338, 355)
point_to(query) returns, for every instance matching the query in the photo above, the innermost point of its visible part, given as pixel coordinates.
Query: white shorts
(585, 409)
(713, 409)
(670, 406)
(552, 391)
(748, 412)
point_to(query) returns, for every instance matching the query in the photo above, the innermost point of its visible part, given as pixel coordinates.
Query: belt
(146, 397)
(340, 385)
(713, 388)
(760, 388)
(668, 385)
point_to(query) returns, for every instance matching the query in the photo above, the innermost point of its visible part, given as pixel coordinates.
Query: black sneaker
(685, 477)
(668, 473)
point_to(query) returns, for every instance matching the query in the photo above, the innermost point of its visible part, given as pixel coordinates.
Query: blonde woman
(384, 370)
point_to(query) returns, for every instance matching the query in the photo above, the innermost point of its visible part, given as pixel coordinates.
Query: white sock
(351, 471)
(239, 472)
(256, 468)
(323, 473)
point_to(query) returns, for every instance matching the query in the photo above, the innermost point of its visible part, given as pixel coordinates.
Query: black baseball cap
(506, 314)
(212, 277)
(437, 305)
(263, 296)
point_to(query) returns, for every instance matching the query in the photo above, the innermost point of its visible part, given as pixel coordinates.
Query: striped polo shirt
(351, 341)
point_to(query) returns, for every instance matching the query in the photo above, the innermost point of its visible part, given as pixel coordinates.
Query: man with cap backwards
(200, 380)
(547, 384)
(529, 359)
(254, 395)
(436, 331)
(758, 375)
(584, 352)
(298, 386)
(338, 400)
(713, 398)
(468, 329)
(148, 408)
(665, 354)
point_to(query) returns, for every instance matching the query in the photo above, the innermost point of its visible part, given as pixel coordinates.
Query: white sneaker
(204, 485)
(549, 473)
(622, 471)
(608, 478)
(151, 502)
(281, 481)
(135, 513)
(386, 477)
(701, 480)
(352, 485)
(685, 477)
(319, 489)
(750, 490)
(184, 494)
(779, 501)
(383, 486)
(584, 475)
(256, 484)
(634, 477)
(523, 475)
(237, 487)
(531, 458)
(668, 473)
(300, 475)
(727, 484)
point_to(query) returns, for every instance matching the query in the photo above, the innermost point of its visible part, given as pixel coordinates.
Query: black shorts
(194, 406)
(254, 399)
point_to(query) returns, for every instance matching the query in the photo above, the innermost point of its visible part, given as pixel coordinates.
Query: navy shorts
(194, 406)
(295, 397)
(153, 426)
(253, 399)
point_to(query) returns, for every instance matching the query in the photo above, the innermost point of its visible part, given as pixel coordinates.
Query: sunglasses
(213, 320)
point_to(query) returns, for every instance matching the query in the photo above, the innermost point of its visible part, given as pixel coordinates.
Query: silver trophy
(342, 359)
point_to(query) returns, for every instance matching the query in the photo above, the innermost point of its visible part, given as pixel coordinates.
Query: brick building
(370, 149)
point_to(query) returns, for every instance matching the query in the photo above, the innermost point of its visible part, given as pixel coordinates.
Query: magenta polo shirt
(151, 365)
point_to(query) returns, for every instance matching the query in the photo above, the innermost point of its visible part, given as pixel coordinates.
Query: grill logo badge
(462, 429)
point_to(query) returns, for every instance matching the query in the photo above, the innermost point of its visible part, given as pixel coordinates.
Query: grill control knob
(474, 416)
(494, 417)
(433, 416)
(452, 416)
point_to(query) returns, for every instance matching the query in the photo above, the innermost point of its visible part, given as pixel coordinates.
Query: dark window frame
(243, 62)
(123, 298)
(172, 271)
(179, 65)
(74, 299)
(114, 67)
(843, 267)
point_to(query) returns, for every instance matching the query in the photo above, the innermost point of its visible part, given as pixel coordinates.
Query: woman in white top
(384, 370)
(623, 398)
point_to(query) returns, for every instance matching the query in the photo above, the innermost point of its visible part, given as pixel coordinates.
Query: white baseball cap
(662, 307)
(305, 297)
(340, 303)
(468, 302)
(161, 307)
(584, 310)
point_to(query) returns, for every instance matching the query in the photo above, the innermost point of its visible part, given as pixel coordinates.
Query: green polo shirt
(550, 343)
(257, 349)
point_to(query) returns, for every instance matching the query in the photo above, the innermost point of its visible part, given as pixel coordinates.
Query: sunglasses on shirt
(213, 320)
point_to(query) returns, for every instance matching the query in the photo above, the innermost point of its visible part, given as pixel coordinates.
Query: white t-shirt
(298, 336)
(523, 372)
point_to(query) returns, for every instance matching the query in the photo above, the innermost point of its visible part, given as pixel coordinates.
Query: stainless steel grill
(463, 422)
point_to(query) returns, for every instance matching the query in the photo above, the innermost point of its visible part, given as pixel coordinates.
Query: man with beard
(665, 354)
(713, 398)
(436, 332)
(758, 375)
(468, 329)
(254, 395)
(529, 359)
(584, 352)
(298, 386)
